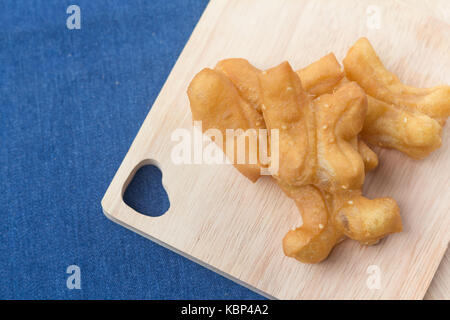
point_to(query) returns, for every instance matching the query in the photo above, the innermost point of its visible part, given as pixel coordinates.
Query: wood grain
(440, 286)
(221, 220)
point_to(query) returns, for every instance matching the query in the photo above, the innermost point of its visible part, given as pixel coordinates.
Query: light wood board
(221, 220)
(440, 286)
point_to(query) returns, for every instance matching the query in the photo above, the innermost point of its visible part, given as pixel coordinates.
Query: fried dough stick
(314, 240)
(413, 133)
(215, 101)
(316, 139)
(321, 77)
(400, 117)
(318, 78)
(363, 66)
(288, 108)
(328, 218)
(410, 132)
(320, 168)
(244, 76)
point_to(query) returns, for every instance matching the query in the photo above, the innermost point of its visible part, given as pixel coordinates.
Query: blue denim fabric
(71, 102)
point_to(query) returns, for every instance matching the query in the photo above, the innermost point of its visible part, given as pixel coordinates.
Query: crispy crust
(399, 117)
(322, 161)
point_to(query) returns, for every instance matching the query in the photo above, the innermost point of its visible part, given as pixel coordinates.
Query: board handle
(112, 203)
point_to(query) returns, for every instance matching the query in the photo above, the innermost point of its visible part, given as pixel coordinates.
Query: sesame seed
(405, 120)
(344, 186)
(263, 107)
(283, 127)
(226, 115)
(320, 226)
(350, 202)
(325, 127)
(288, 88)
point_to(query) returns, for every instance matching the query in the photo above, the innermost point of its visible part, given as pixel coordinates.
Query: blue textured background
(71, 103)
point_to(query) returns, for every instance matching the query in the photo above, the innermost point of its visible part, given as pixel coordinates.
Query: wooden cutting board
(222, 221)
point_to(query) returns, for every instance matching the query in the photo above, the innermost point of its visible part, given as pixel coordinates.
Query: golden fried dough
(401, 117)
(314, 240)
(340, 118)
(386, 125)
(318, 78)
(412, 133)
(215, 101)
(288, 108)
(315, 136)
(321, 159)
(367, 221)
(363, 66)
(322, 75)
(321, 167)
(328, 218)
(245, 78)
(369, 157)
